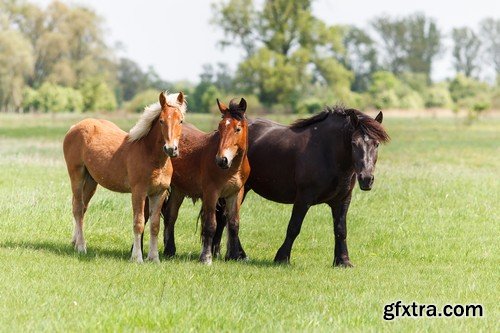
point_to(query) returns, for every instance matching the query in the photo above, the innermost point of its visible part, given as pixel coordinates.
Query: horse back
(98, 146)
(287, 161)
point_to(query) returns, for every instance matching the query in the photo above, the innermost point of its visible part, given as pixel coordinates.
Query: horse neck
(339, 145)
(153, 144)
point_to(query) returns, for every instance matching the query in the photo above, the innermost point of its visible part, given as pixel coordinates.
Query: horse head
(233, 132)
(171, 119)
(367, 136)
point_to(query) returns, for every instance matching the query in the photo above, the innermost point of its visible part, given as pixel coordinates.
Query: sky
(176, 37)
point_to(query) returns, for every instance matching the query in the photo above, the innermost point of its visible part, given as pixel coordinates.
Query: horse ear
(354, 119)
(379, 117)
(163, 99)
(222, 106)
(243, 105)
(180, 98)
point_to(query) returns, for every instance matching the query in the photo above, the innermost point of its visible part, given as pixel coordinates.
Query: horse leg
(170, 212)
(233, 205)
(208, 228)
(155, 204)
(221, 224)
(339, 213)
(138, 202)
(77, 176)
(146, 218)
(299, 211)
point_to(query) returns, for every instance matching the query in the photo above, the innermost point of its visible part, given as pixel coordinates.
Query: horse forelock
(149, 115)
(370, 127)
(235, 110)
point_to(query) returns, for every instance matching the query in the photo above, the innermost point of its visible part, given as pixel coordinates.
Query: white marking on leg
(155, 203)
(136, 250)
(80, 245)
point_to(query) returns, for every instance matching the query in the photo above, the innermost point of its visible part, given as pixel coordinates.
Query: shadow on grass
(67, 250)
(194, 257)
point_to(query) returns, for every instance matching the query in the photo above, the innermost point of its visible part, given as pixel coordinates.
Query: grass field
(428, 232)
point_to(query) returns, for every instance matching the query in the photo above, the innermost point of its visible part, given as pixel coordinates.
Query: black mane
(367, 125)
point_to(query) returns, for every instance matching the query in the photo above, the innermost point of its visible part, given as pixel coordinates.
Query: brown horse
(98, 152)
(209, 167)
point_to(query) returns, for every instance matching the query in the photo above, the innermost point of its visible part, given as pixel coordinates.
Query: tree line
(56, 59)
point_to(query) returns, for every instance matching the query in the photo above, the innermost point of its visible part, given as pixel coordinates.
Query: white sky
(176, 38)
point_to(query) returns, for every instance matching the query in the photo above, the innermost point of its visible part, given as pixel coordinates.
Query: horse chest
(160, 178)
(233, 185)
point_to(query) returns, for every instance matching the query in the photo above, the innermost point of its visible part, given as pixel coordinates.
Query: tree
(16, 64)
(466, 45)
(424, 43)
(410, 43)
(97, 96)
(131, 79)
(270, 76)
(67, 41)
(360, 57)
(490, 35)
(287, 48)
(392, 33)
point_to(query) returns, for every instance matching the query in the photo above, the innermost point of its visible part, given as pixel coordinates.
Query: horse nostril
(176, 148)
(224, 160)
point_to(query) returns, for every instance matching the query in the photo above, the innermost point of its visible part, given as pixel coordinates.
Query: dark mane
(367, 125)
(235, 111)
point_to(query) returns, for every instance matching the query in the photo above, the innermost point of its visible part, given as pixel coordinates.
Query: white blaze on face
(229, 154)
(228, 121)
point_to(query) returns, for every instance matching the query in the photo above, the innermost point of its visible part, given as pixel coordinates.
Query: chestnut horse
(98, 152)
(209, 167)
(313, 161)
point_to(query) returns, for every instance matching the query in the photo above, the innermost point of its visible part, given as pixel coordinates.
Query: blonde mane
(149, 115)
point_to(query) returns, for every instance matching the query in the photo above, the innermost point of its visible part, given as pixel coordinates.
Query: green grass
(427, 232)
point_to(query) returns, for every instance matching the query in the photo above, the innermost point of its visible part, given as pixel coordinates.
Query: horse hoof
(206, 260)
(237, 257)
(168, 254)
(136, 259)
(342, 263)
(281, 259)
(154, 258)
(81, 248)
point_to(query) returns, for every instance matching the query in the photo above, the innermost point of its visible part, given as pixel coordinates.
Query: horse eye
(238, 129)
(182, 121)
(376, 144)
(161, 121)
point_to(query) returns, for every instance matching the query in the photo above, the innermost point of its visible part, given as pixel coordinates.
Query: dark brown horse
(313, 161)
(211, 166)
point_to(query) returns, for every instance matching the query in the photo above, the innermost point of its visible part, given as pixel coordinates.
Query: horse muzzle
(222, 162)
(365, 182)
(171, 151)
